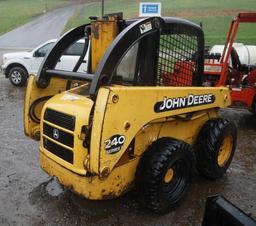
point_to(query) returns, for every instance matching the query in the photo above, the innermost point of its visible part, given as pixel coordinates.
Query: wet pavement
(29, 197)
(34, 32)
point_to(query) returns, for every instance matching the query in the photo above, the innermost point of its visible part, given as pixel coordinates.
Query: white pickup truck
(18, 65)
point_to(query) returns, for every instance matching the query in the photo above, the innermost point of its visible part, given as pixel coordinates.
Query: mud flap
(35, 98)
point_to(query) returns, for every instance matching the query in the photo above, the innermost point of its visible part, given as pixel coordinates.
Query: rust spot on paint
(95, 30)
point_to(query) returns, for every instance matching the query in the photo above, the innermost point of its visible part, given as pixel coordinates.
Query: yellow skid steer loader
(138, 117)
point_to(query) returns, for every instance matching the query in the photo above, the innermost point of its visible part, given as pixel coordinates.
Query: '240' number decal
(114, 144)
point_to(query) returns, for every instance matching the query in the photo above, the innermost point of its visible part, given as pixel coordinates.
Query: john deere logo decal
(56, 134)
(114, 144)
(183, 102)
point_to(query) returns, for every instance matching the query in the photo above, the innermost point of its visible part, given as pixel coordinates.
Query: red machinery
(226, 69)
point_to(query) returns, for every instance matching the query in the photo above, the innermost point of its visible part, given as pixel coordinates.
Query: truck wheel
(215, 147)
(164, 174)
(18, 76)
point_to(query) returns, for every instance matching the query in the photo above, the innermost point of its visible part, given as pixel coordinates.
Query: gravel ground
(29, 197)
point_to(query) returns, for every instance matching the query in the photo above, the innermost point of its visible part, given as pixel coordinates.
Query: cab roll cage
(132, 33)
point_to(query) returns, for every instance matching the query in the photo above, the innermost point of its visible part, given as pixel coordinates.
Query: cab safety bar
(69, 75)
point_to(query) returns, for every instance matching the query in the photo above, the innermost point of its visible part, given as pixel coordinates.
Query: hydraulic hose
(32, 108)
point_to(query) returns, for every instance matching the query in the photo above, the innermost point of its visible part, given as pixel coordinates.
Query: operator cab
(146, 52)
(138, 52)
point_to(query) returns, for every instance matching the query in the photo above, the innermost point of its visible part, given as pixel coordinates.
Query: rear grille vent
(178, 57)
(58, 150)
(59, 135)
(60, 119)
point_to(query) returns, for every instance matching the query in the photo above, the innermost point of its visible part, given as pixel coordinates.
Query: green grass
(14, 13)
(215, 15)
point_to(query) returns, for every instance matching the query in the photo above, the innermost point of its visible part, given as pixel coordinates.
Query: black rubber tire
(18, 76)
(154, 193)
(208, 145)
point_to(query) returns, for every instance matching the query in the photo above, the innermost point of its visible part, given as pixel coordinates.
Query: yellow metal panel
(118, 182)
(33, 93)
(103, 33)
(76, 105)
(185, 130)
(172, 127)
(135, 105)
(146, 136)
(98, 117)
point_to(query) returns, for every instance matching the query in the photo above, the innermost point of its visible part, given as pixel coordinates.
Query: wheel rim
(225, 150)
(175, 180)
(169, 175)
(16, 77)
